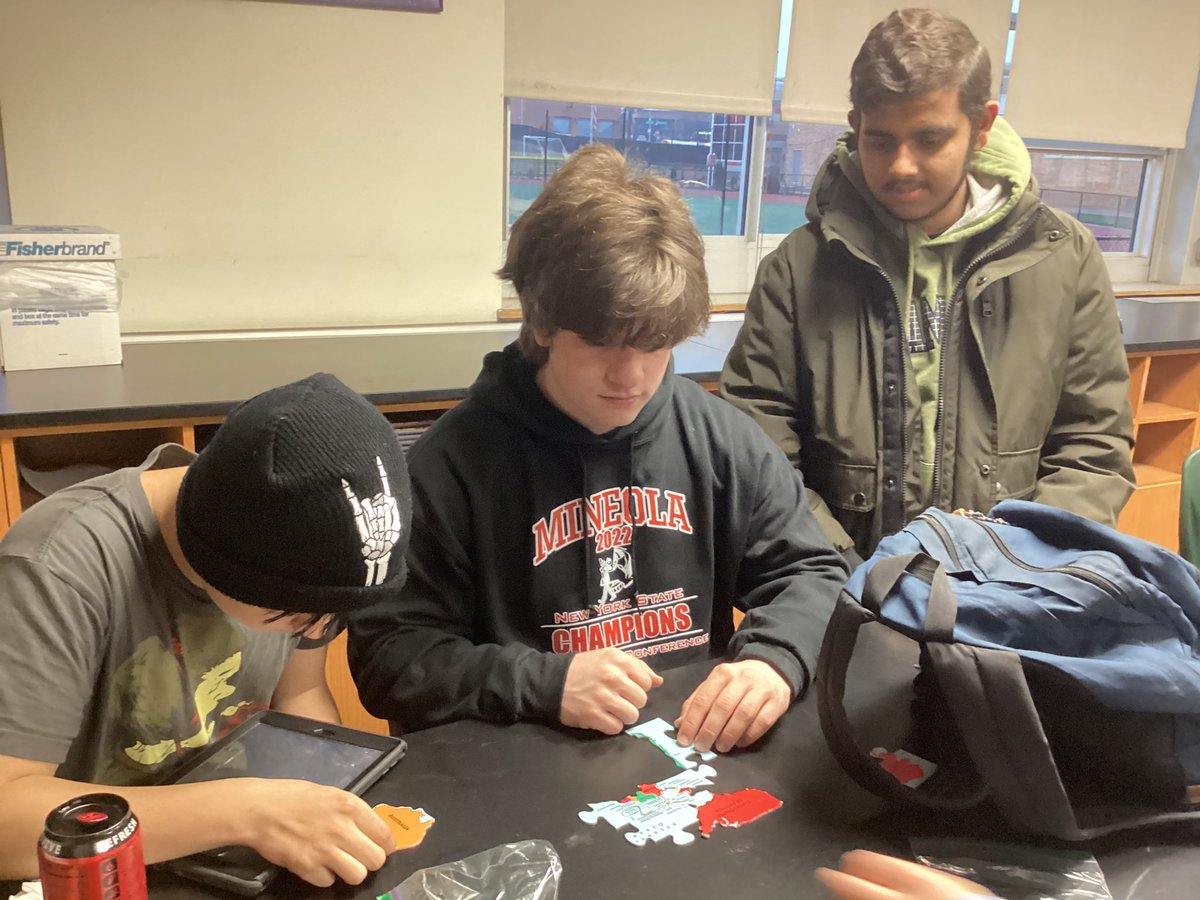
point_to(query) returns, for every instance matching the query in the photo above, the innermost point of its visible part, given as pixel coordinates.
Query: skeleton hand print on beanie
(378, 521)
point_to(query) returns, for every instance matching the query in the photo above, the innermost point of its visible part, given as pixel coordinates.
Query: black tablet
(272, 744)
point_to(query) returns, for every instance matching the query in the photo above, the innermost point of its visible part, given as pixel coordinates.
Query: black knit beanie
(301, 502)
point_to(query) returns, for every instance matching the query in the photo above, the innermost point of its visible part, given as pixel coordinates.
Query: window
(795, 152)
(705, 154)
(715, 159)
(1109, 189)
(1103, 191)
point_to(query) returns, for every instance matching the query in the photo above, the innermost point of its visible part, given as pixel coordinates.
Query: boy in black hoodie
(586, 516)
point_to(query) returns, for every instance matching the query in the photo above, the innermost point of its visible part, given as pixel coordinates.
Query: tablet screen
(265, 751)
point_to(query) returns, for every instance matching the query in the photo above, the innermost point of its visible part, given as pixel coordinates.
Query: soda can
(91, 849)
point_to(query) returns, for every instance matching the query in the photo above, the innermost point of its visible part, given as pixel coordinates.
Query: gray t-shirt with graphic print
(114, 665)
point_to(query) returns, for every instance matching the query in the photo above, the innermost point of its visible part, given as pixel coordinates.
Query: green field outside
(778, 216)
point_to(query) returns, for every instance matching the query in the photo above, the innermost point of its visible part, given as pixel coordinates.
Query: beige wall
(267, 165)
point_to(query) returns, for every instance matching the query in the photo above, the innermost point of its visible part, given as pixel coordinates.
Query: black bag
(1059, 671)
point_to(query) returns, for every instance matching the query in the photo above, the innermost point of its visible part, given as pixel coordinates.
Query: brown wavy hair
(914, 51)
(610, 254)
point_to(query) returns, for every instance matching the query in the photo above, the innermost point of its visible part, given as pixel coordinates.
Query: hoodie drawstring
(633, 566)
(588, 539)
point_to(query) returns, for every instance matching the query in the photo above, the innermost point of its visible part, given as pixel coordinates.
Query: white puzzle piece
(665, 812)
(661, 734)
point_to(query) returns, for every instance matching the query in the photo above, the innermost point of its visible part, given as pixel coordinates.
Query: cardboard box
(59, 294)
(56, 243)
(54, 338)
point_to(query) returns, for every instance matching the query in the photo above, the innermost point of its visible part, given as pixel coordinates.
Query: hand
(733, 707)
(320, 833)
(873, 876)
(605, 689)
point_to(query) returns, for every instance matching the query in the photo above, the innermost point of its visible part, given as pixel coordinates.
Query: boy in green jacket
(936, 334)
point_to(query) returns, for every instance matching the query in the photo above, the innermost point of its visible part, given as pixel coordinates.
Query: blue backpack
(1059, 671)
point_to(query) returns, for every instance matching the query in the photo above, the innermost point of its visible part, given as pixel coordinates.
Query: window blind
(700, 55)
(825, 39)
(1105, 71)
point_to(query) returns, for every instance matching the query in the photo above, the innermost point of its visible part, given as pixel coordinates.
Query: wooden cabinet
(1164, 393)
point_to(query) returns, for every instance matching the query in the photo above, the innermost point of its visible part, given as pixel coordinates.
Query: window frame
(1127, 265)
(732, 260)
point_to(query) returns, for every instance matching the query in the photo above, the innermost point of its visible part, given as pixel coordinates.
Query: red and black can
(92, 850)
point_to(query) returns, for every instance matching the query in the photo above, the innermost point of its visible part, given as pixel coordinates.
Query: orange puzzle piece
(408, 825)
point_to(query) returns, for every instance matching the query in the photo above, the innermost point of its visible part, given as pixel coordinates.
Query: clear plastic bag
(1017, 871)
(526, 870)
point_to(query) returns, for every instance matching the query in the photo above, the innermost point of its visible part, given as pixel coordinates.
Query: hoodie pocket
(851, 487)
(1016, 474)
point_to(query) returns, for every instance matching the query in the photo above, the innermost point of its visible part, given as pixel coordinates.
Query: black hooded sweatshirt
(533, 539)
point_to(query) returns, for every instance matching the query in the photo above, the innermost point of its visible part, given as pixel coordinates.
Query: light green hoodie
(998, 176)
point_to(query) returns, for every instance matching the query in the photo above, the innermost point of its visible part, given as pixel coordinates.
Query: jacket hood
(840, 186)
(507, 384)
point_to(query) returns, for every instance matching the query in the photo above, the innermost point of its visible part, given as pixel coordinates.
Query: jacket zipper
(1086, 574)
(944, 318)
(902, 387)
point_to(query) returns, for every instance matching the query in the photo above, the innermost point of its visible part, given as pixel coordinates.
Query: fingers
(698, 706)
(866, 875)
(387, 490)
(638, 671)
(319, 833)
(906, 878)
(376, 831)
(711, 713)
(351, 858)
(359, 519)
(762, 722)
(734, 706)
(605, 690)
(847, 887)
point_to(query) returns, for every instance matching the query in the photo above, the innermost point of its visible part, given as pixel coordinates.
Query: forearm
(315, 703)
(789, 579)
(420, 677)
(175, 819)
(786, 632)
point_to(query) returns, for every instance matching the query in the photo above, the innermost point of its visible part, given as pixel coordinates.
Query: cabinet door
(1152, 514)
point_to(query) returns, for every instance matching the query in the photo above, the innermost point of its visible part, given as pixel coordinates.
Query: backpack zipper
(1086, 574)
(940, 530)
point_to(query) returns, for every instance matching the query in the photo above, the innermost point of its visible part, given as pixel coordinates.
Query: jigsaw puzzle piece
(661, 734)
(609, 811)
(689, 779)
(672, 823)
(665, 809)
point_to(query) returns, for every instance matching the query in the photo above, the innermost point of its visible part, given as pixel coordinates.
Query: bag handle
(942, 609)
(834, 660)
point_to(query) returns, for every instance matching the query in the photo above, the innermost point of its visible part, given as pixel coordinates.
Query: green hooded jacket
(1024, 392)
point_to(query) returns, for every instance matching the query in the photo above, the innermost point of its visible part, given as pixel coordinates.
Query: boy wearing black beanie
(147, 612)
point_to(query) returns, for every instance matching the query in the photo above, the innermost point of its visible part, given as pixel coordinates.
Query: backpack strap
(999, 723)
(961, 791)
